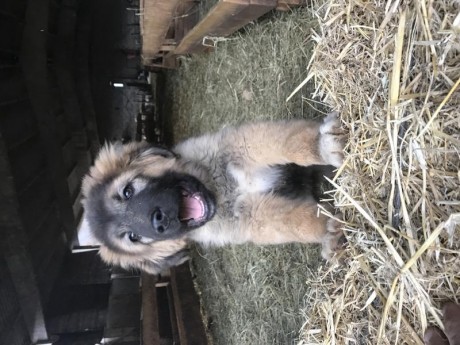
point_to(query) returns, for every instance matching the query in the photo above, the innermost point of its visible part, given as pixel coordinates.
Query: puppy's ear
(173, 260)
(85, 234)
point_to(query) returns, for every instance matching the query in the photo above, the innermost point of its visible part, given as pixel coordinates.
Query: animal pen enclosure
(389, 68)
(176, 27)
(392, 71)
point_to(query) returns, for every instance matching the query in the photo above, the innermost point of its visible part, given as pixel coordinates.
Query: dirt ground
(251, 295)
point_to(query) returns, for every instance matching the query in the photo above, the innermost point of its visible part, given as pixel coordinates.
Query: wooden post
(156, 17)
(187, 305)
(34, 64)
(150, 325)
(223, 19)
(13, 248)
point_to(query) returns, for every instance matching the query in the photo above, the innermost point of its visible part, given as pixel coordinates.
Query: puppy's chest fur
(234, 181)
(238, 182)
(232, 185)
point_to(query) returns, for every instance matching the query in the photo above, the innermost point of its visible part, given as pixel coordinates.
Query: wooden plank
(82, 75)
(19, 119)
(68, 157)
(34, 64)
(83, 162)
(223, 19)
(13, 248)
(157, 16)
(167, 48)
(187, 16)
(172, 313)
(124, 310)
(187, 306)
(150, 323)
(35, 202)
(27, 161)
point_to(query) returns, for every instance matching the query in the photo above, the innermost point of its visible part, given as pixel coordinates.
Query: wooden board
(187, 16)
(223, 19)
(150, 330)
(156, 18)
(187, 306)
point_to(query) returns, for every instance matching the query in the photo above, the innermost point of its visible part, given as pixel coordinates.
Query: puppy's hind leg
(271, 219)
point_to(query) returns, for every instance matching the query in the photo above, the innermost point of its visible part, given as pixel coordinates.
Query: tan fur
(151, 253)
(234, 164)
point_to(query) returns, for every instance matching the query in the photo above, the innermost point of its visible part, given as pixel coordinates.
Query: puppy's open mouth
(195, 209)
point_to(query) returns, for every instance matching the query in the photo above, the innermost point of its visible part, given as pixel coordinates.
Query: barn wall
(48, 137)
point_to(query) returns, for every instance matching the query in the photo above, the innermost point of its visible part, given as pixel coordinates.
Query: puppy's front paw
(331, 141)
(334, 240)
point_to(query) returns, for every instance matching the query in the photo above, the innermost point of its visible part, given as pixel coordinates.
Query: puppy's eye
(134, 237)
(128, 192)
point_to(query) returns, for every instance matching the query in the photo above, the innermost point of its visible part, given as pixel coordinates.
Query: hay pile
(393, 71)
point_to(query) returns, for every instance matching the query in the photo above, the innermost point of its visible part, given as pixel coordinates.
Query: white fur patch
(260, 181)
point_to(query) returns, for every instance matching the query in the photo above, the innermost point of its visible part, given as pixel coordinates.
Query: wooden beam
(187, 307)
(150, 324)
(156, 18)
(187, 16)
(167, 48)
(34, 65)
(223, 19)
(13, 248)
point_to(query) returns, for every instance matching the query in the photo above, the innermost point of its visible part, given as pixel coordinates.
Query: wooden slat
(37, 78)
(13, 248)
(124, 310)
(150, 325)
(75, 177)
(35, 201)
(157, 16)
(187, 16)
(223, 19)
(12, 87)
(69, 158)
(19, 119)
(167, 48)
(187, 306)
(172, 313)
(82, 74)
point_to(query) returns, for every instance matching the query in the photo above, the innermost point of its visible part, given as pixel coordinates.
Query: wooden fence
(170, 28)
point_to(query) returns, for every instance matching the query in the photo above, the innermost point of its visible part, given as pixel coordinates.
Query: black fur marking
(301, 182)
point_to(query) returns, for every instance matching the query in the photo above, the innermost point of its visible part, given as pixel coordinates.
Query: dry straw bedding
(392, 69)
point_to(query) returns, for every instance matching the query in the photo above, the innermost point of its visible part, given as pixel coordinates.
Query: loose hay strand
(393, 71)
(438, 109)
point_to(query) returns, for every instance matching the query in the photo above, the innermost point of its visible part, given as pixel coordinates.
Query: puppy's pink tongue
(192, 208)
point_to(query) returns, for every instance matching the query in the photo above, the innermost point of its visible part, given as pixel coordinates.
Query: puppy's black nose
(160, 221)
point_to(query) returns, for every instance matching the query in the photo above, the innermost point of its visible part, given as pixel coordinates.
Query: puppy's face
(136, 195)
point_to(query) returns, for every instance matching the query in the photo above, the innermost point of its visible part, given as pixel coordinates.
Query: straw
(392, 71)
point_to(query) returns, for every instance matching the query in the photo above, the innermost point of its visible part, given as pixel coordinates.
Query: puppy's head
(140, 205)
